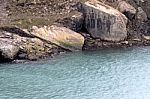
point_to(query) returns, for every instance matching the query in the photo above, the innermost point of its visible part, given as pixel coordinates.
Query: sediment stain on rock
(104, 22)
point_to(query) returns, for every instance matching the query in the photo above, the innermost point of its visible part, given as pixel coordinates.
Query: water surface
(105, 74)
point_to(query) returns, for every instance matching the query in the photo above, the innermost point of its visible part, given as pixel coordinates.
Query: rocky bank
(36, 29)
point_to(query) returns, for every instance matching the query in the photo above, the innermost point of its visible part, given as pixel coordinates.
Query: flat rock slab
(104, 22)
(60, 36)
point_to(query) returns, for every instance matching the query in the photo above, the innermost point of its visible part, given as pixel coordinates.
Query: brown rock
(60, 36)
(123, 6)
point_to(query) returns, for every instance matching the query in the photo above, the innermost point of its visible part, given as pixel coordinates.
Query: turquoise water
(105, 74)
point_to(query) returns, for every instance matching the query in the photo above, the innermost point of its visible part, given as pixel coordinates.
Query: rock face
(8, 51)
(145, 6)
(60, 36)
(126, 9)
(141, 15)
(18, 44)
(73, 22)
(104, 22)
(123, 6)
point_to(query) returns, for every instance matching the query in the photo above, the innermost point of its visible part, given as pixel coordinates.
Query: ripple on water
(105, 74)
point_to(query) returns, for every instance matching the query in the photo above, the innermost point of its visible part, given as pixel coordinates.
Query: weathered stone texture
(146, 7)
(104, 22)
(60, 36)
(73, 22)
(8, 51)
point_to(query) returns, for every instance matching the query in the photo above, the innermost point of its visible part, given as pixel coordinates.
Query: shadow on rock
(15, 30)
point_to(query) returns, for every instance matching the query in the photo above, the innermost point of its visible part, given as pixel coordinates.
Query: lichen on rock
(60, 36)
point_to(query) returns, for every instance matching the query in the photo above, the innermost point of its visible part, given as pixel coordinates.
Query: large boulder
(104, 22)
(60, 36)
(8, 51)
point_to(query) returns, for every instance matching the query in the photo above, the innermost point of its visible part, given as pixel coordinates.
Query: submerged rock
(60, 36)
(104, 22)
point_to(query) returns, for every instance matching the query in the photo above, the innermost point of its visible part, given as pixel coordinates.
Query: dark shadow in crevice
(4, 60)
(15, 30)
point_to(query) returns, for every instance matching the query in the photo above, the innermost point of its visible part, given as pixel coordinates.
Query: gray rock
(138, 1)
(146, 37)
(146, 7)
(141, 15)
(123, 6)
(127, 9)
(8, 51)
(104, 22)
(19, 44)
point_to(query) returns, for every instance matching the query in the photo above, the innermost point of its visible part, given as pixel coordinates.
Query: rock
(126, 9)
(22, 56)
(30, 47)
(141, 15)
(123, 6)
(125, 42)
(34, 49)
(104, 22)
(138, 1)
(8, 51)
(133, 3)
(146, 37)
(74, 22)
(33, 57)
(147, 31)
(60, 36)
(19, 2)
(146, 7)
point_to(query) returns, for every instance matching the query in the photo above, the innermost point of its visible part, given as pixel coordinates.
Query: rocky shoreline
(35, 29)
